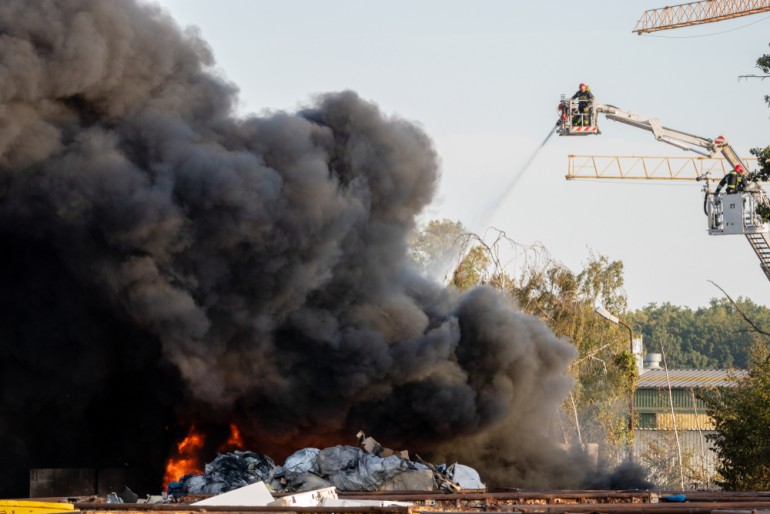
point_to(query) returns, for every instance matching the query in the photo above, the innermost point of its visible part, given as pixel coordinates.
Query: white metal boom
(700, 145)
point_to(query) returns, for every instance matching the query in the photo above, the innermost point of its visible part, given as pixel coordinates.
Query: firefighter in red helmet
(585, 99)
(735, 181)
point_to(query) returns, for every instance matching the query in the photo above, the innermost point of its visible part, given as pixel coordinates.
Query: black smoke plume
(627, 475)
(166, 263)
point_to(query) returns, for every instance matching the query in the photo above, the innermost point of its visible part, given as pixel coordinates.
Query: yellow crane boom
(696, 13)
(646, 167)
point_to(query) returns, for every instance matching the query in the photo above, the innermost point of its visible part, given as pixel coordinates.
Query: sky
(483, 80)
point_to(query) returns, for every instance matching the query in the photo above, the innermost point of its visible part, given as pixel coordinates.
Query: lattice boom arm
(645, 167)
(696, 13)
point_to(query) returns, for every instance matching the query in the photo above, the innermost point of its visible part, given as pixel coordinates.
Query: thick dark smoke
(627, 475)
(166, 263)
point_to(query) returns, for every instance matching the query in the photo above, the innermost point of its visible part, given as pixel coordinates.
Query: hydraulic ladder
(760, 242)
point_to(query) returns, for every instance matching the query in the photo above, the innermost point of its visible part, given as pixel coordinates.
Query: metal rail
(643, 167)
(525, 502)
(696, 13)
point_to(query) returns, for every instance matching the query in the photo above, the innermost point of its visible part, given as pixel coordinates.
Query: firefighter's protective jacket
(734, 181)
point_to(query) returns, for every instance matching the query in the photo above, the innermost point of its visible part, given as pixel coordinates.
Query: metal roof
(679, 378)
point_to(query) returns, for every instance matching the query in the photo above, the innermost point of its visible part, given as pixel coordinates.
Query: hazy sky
(483, 79)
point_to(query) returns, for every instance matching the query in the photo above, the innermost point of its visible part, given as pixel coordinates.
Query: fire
(187, 460)
(235, 440)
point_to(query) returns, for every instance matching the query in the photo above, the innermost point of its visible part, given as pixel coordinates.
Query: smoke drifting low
(166, 263)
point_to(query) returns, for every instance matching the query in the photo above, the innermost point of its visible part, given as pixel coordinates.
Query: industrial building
(671, 418)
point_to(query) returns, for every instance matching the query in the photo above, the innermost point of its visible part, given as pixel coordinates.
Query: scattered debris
(254, 495)
(338, 502)
(418, 480)
(371, 446)
(340, 468)
(306, 499)
(464, 477)
(301, 482)
(439, 476)
(114, 498)
(301, 461)
(153, 499)
(127, 496)
(227, 472)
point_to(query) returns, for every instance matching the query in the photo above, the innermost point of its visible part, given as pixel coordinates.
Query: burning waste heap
(342, 468)
(168, 263)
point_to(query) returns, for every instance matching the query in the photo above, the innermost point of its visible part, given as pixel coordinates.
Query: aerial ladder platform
(727, 213)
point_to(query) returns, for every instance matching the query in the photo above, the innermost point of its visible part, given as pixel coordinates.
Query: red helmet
(739, 168)
(582, 84)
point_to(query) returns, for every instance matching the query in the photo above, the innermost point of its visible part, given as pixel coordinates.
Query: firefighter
(735, 181)
(585, 99)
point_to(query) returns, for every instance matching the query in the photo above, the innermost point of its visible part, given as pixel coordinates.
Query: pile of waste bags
(347, 468)
(227, 472)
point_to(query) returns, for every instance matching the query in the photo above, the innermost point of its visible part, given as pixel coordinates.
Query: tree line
(710, 337)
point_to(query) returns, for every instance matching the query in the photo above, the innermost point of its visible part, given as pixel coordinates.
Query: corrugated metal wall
(653, 410)
(664, 421)
(655, 438)
(692, 442)
(656, 400)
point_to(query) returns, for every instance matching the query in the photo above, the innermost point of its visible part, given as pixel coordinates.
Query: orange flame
(186, 460)
(234, 441)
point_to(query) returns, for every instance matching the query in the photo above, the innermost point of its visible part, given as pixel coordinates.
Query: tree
(437, 248)
(472, 270)
(707, 337)
(605, 371)
(763, 154)
(742, 418)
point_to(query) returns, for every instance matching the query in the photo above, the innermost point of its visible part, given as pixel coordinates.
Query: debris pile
(227, 472)
(346, 468)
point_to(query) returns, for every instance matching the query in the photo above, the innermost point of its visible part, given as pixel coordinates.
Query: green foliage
(436, 248)
(742, 418)
(625, 362)
(763, 163)
(605, 371)
(763, 210)
(763, 63)
(708, 337)
(472, 270)
(763, 154)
